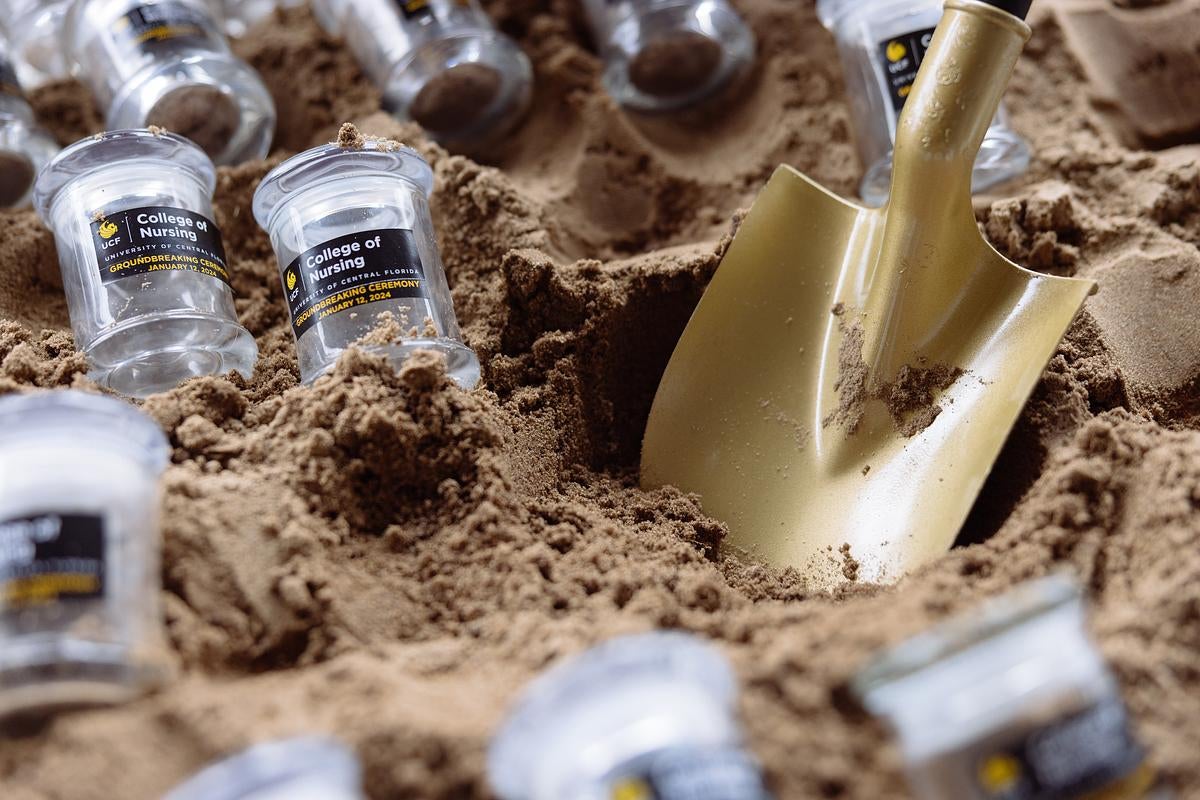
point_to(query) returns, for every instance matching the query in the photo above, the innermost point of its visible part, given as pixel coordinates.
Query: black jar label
(8, 78)
(900, 58)
(1087, 754)
(352, 271)
(146, 26)
(46, 558)
(156, 239)
(692, 774)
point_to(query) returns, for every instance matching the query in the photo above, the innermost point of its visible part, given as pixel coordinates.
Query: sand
(387, 558)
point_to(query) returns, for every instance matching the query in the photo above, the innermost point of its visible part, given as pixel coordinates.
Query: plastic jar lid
(266, 765)
(83, 418)
(551, 701)
(103, 150)
(331, 162)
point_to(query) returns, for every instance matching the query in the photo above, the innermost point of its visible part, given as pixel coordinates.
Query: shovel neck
(954, 99)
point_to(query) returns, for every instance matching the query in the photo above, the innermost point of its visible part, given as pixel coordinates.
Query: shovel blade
(743, 415)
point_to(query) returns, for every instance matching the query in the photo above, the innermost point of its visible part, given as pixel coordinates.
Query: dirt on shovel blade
(388, 559)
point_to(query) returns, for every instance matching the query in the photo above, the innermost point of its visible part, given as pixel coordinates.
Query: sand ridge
(387, 558)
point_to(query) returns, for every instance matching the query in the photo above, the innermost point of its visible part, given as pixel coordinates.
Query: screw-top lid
(133, 146)
(312, 762)
(332, 162)
(560, 699)
(84, 417)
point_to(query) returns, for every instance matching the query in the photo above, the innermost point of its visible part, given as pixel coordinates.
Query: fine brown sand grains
(386, 558)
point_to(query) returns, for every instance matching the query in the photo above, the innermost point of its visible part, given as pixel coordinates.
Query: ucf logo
(107, 229)
(291, 280)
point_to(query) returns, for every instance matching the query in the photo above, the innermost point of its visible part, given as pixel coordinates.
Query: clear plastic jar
(638, 717)
(665, 54)
(354, 239)
(34, 32)
(142, 261)
(308, 768)
(882, 44)
(166, 63)
(80, 620)
(441, 63)
(1010, 701)
(24, 147)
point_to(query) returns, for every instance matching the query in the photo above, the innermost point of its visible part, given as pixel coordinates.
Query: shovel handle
(953, 101)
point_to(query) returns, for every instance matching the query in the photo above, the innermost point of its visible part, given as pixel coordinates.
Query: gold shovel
(801, 401)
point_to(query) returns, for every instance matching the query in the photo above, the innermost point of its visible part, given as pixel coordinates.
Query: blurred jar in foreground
(647, 717)
(666, 54)
(1008, 702)
(80, 622)
(166, 63)
(24, 147)
(34, 32)
(142, 261)
(882, 44)
(306, 768)
(354, 239)
(441, 63)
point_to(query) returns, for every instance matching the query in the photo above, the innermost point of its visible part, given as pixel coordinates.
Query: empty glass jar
(665, 54)
(441, 63)
(80, 620)
(648, 717)
(352, 232)
(166, 63)
(1010, 701)
(24, 147)
(308, 768)
(34, 32)
(882, 44)
(142, 261)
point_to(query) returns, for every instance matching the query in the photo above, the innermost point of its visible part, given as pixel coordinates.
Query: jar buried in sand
(882, 43)
(665, 54)
(441, 63)
(79, 574)
(1011, 702)
(307, 768)
(351, 229)
(142, 261)
(24, 147)
(648, 717)
(33, 29)
(166, 63)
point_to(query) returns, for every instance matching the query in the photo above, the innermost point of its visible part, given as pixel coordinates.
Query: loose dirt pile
(387, 558)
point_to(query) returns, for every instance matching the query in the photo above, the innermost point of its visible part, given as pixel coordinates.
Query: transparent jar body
(80, 621)
(1012, 700)
(166, 63)
(666, 54)
(881, 43)
(319, 229)
(639, 716)
(24, 147)
(441, 63)
(34, 32)
(308, 768)
(147, 331)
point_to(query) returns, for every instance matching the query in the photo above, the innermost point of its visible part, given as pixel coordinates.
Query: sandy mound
(387, 558)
